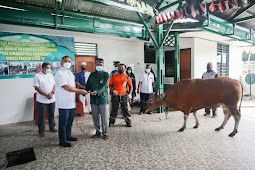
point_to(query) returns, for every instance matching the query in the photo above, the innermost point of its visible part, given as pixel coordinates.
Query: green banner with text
(22, 55)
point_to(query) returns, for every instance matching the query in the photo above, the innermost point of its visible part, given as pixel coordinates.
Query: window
(169, 68)
(149, 56)
(222, 60)
(85, 49)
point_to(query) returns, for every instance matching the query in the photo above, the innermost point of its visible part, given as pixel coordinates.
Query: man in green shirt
(97, 84)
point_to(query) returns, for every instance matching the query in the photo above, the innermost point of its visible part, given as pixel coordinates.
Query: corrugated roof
(93, 8)
(229, 13)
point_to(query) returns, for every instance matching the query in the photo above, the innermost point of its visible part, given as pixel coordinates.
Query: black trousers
(122, 100)
(207, 111)
(41, 109)
(144, 99)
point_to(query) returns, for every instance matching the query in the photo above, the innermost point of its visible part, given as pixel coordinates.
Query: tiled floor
(152, 143)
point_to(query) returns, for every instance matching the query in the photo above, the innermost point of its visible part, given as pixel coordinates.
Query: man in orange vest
(118, 84)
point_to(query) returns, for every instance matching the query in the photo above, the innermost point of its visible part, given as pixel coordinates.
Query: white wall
(16, 100)
(204, 51)
(235, 62)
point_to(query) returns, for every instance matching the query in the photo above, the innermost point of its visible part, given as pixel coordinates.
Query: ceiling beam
(170, 5)
(118, 5)
(241, 11)
(149, 31)
(243, 19)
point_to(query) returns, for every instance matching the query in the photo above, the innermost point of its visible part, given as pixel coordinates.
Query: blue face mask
(99, 68)
(48, 71)
(147, 70)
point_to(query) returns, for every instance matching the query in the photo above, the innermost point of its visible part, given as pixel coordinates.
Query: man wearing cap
(208, 75)
(116, 66)
(97, 84)
(81, 80)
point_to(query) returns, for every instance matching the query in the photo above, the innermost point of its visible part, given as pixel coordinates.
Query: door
(91, 63)
(185, 64)
(91, 67)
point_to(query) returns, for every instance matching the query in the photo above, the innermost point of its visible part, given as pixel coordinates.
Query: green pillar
(177, 58)
(160, 53)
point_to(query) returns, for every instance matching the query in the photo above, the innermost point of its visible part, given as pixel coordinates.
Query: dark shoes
(96, 136)
(150, 113)
(111, 124)
(53, 130)
(128, 125)
(106, 137)
(141, 113)
(65, 144)
(72, 139)
(206, 114)
(41, 134)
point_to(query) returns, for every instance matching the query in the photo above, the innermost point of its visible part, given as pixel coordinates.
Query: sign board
(22, 55)
(250, 79)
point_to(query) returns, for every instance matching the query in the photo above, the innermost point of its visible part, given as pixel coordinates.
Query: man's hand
(94, 93)
(138, 91)
(129, 96)
(115, 92)
(49, 96)
(83, 92)
(83, 87)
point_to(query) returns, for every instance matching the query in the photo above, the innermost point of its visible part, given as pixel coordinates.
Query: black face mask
(120, 71)
(83, 68)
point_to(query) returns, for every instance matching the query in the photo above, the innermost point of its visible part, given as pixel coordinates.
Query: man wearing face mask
(116, 66)
(44, 84)
(81, 80)
(98, 86)
(118, 84)
(145, 89)
(65, 95)
(208, 75)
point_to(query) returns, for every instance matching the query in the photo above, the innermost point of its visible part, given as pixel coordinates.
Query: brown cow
(190, 95)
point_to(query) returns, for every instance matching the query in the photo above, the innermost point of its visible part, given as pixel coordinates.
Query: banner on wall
(22, 55)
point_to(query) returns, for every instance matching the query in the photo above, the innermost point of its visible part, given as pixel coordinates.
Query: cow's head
(155, 101)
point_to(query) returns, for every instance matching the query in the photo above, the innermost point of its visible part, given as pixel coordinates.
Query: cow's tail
(241, 97)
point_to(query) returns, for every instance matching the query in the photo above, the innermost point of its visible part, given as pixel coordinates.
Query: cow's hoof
(218, 129)
(231, 135)
(181, 130)
(195, 127)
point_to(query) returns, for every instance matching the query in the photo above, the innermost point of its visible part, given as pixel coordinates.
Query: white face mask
(129, 71)
(67, 65)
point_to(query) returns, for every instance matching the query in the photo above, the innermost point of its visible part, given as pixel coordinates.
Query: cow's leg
(185, 121)
(237, 116)
(227, 116)
(197, 123)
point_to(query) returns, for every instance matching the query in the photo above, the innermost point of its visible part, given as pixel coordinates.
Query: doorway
(91, 67)
(91, 63)
(185, 64)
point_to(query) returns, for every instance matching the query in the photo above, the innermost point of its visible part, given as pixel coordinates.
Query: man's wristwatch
(53, 92)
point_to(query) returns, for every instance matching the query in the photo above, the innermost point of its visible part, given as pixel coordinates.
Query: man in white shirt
(44, 84)
(81, 81)
(65, 95)
(146, 80)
